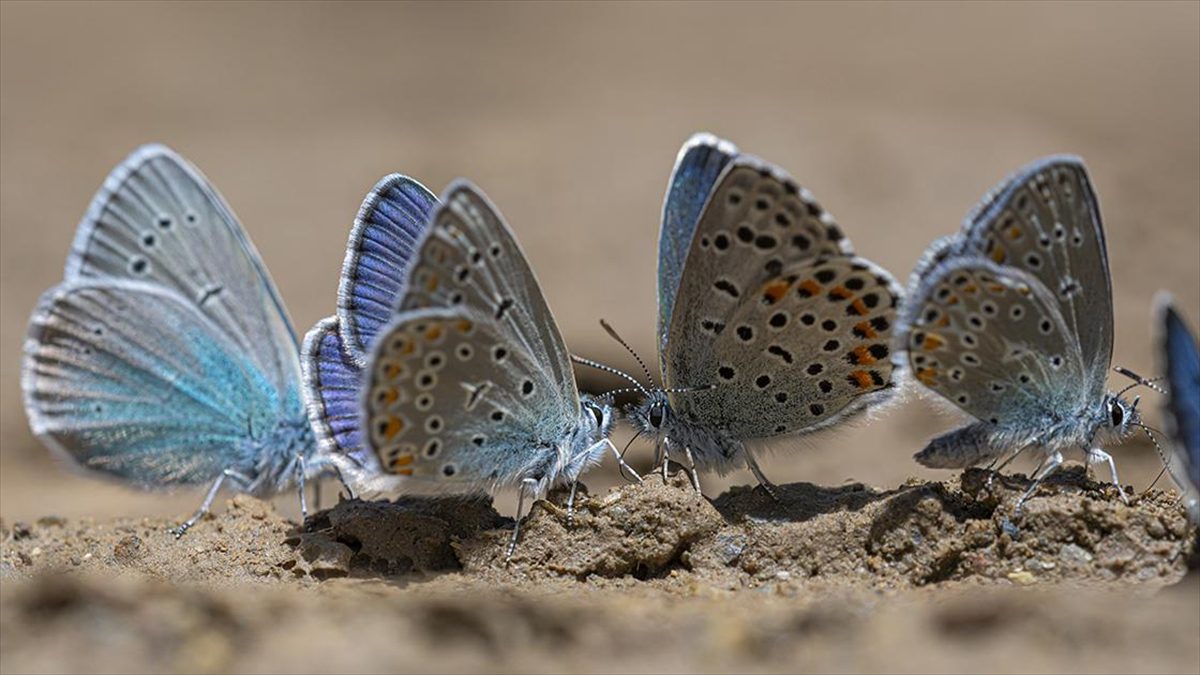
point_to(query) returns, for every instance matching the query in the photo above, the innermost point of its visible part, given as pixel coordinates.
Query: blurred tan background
(898, 117)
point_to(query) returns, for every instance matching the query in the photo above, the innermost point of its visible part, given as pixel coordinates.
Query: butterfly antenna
(613, 334)
(689, 390)
(609, 369)
(1138, 380)
(623, 390)
(1157, 448)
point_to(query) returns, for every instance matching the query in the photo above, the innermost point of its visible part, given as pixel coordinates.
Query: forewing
(1181, 358)
(1045, 221)
(390, 223)
(697, 167)
(800, 351)
(131, 380)
(452, 398)
(331, 389)
(991, 340)
(470, 259)
(756, 224)
(157, 220)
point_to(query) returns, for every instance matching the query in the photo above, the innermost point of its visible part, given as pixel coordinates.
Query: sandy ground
(897, 117)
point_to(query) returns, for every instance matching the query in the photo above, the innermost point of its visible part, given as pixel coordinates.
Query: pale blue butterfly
(165, 357)
(769, 325)
(382, 243)
(470, 386)
(1011, 320)
(1179, 356)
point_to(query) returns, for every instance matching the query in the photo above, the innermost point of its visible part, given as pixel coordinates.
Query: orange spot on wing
(433, 332)
(402, 460)
(862, 355)
(999, 255)
(393, 370)
(395, 425)
(404, 472)
(862, 379)
(432, 284)
(1014, 233)
(932, 342)
(971, 289)
(464, 326)
(996, 288)
(943, 322)
(859, 307)
(841, 293)
(811, 287)
(389, 396)
(864, 329)
(775, 290)
(927, 376)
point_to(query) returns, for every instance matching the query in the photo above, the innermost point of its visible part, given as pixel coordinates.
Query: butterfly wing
(1045, 221)
(157, 220)
(471, 384)
(697, 167)
(132, 380)
(389, 224)
(1180, 356)
(991, 340)
(331, 389)
(767, 269)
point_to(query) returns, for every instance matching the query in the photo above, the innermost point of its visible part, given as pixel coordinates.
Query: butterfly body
(165, 357)
(769, 325)
(1179, 357)
(1011, 321)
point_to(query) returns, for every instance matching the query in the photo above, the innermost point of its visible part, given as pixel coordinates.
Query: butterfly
(166, 357)
(769, 325)
(1179, 355)
(1011, 320)
(383, 240)
(470, 386)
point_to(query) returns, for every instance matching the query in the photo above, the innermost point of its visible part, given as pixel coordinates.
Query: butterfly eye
(599, 415)
(656, 416)
(1118, 415)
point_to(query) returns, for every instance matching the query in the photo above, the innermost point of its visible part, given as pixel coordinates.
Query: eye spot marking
(814, 368)
(1076, 238)
(433, 424)
(825, 386)
(989, 308)
(968, 340)
(1024, 378)
(726, 372)
(448, 470)
(773, 267)
(855, 283)
(825, 275)
(464, 352)
(745, 234)
(831, 346)
(1068, 288)
(478, 440)
(734, 198)
(499, 354)
(782, 353)
(963, 399)
(1060, 232)
(149, 239)
(165, 222)
(1044, 241)
(1045, 327)
(782, 219)
(816, 409)
(778, 320)
(765, 242)
(426, 380)
(807, 319)
(801, 242)
(745, 333)
(139, 265)
(432, 447)
(705, 242)
(781, 397)
(779, 429)
(435, 360)
(721, 242)
(1033, 260)
(970, 359)
(494, 251)
(714, 327)
(762, 381)
(829, 325)
(762, 204)
(527, 388)
(190, 217)
(424, 402)
(727, 287)
(1016, 313)
(1056, 362)
(497, 415)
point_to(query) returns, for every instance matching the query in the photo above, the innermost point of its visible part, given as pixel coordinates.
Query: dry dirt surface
(926, 577)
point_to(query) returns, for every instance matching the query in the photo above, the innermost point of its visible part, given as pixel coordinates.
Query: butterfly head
(651, 415)
(587, 445)
(1121, 418)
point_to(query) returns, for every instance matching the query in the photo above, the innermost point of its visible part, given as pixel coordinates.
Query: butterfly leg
(691, 463)
(300, 477)
(526, 484)
(663, 451)
(621, 465)
(997, 466)
(767, 485)
(571, 503)
(1097, 455)
(208, 500)
(1048, 466)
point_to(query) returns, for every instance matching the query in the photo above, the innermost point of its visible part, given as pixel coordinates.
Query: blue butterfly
(1011, 320)
(165, 357)
(1179, 355)
(769, 325)
(470, 385)
(383, 240)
